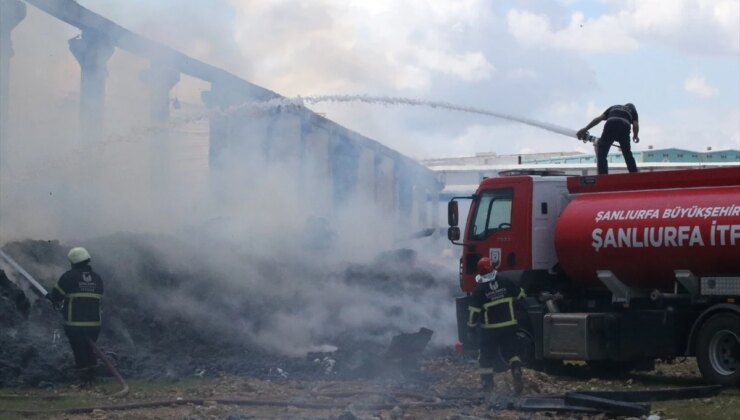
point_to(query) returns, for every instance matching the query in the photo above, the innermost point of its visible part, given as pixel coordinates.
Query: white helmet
(77, 255)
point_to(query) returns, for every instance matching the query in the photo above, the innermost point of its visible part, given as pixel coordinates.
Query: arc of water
(391, 100)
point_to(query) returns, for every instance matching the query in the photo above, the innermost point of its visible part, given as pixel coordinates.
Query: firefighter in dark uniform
(492, 309)
(81, 290)
(619, 119)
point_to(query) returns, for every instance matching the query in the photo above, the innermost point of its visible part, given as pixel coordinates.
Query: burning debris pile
(171, 311)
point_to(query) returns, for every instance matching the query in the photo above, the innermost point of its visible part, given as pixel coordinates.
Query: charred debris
(165, 320)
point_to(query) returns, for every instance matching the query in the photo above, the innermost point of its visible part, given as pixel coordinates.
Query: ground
(220, 339)
(441, 388)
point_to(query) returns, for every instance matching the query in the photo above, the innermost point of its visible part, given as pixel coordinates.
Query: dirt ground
(441, 388)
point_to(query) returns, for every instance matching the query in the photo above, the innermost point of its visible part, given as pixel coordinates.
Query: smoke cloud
(252, 249)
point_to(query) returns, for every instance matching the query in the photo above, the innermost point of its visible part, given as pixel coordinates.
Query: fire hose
(588, 138)
(45, 294)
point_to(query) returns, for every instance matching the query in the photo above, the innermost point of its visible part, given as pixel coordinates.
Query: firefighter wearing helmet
(80, 290)
(492, 310)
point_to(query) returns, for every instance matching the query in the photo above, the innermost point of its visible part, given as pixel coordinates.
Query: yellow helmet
(77, 255)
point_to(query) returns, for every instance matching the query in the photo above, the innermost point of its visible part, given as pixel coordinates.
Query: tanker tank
(643, 236)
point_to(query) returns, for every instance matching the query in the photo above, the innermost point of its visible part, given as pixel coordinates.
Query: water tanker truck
(620, 270)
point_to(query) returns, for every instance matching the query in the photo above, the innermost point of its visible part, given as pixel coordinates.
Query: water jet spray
(391, 100)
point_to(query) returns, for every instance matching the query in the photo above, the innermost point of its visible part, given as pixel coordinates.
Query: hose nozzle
(589, 138)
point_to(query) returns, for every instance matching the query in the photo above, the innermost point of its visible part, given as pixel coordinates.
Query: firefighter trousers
(79, 340)
(494, 343)
(614, 131)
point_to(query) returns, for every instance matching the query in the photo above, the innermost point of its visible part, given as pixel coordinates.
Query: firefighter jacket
(492, 302)
(81, 289)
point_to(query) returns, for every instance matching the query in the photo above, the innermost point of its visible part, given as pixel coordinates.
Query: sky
(561, 62)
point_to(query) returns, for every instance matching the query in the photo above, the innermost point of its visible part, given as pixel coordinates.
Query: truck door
(500, 227)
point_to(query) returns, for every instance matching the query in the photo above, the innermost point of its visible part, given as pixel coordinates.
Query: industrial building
(461, 176)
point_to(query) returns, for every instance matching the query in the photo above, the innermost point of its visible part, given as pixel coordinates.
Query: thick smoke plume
(252, 253)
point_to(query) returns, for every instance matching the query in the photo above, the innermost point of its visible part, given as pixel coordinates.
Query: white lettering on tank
(683, 235)
(656, 241)
(695, 211)
(635, 242)
(696, 238)
(635, 214)
(665, 236)
(722, 229)
(596, 239)
(623, 236)
(609, 239)
(670, 236)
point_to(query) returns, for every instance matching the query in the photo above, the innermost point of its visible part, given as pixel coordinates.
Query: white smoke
(246, 236)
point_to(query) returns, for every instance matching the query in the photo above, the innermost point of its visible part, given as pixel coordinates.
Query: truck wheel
(526, 346)
(718, 349)
(525, 352)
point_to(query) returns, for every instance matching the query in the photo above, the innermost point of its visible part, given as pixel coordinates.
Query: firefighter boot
(516, 379)
(487, 381)
(87, 377)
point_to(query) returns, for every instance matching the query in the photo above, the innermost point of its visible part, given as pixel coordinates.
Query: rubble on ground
(151, 335)
(168, 318)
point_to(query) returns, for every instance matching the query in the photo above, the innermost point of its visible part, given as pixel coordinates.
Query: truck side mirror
(453, 234)
(452, 214)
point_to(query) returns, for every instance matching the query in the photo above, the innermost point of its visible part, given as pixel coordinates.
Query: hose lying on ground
(111, 369)
(225, 401)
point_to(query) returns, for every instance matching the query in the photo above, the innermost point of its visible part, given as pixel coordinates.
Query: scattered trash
(408, 347)
(327, 363)
(277, 373)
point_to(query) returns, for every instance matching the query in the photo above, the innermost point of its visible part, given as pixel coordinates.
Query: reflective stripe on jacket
(81, 289)
(80, 318)
(492, 303)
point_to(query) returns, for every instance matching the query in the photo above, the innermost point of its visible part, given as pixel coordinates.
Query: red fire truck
(620, 270)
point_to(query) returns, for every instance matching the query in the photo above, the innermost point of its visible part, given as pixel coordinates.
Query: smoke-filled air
(250, 225)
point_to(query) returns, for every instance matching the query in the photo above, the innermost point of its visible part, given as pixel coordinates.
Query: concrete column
(404, 191)
(218, 99)
(92, 51)
(385, 185)
(344, 157)
(317, 171)
(285, 139)
(12, 12)
(366, 182)
(230, 132)
(160, 79)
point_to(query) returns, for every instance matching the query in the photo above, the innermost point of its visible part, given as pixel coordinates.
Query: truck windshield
(492, 212)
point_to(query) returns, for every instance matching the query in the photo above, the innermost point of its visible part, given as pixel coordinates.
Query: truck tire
(718, 349)
(526, 352)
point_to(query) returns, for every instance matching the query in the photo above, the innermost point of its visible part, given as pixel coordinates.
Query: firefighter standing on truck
(492, 309)
(618, 119)
(81, 290)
